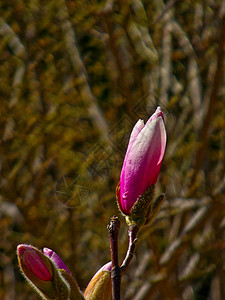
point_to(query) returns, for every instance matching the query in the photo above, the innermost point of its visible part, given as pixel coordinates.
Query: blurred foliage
(75, 77)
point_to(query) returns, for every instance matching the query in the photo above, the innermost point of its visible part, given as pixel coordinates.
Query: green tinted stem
(132, 233)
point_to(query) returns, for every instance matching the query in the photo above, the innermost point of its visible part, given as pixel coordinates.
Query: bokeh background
(75, 77)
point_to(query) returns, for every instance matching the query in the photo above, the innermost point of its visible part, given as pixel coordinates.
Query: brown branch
(94, 110)
(204, 135)
(113, 229)
(169, 5)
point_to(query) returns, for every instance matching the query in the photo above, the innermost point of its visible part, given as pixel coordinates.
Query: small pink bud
(142, 161)
(43, 274)
(30, 260)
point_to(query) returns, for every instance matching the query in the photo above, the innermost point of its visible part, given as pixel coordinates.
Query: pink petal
(157, 113)
(56, 259)
(136, 130)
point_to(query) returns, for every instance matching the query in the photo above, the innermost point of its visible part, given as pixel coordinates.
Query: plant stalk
(132, 233)
(113, 229)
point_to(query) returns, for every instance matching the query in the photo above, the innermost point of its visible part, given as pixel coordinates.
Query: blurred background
(75, 78)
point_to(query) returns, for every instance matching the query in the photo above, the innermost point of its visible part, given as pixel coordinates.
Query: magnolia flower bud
(142, 161)
(99, 288)
(42, 273)
(31, 261)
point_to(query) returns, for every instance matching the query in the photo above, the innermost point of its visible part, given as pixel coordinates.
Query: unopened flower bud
(99, 288)
(142, 164)
(42, 273)
(31, 261)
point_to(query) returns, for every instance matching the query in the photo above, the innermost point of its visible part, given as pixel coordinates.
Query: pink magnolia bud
(43, 274)
(32, 263)
(56, 259)
(142, 161)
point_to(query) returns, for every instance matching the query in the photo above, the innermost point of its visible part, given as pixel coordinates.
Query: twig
(132, 233)
(204, 135)
(169, 5)
(79, 68)
(113, 229)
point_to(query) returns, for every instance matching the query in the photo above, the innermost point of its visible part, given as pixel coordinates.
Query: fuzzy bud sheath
(100, 288)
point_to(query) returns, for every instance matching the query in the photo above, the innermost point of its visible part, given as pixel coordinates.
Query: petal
(157, 113)
(136, 130)
(56, 259)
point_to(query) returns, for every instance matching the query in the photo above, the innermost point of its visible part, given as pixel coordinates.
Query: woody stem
(113, 229)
